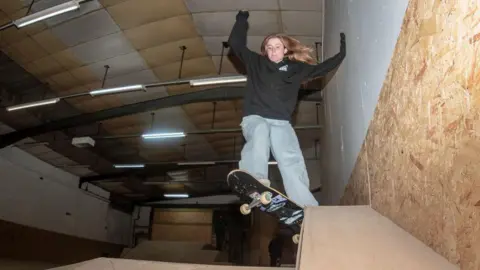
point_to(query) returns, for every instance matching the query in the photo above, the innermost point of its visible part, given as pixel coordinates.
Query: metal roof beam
(209, 95)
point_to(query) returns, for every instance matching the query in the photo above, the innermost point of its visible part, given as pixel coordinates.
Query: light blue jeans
(262, 135)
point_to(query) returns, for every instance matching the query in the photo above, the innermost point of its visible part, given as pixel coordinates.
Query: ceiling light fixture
(33, 104)
(176, 195)
(119, 89)
(218, 80)
(272, 163)
(133, 166)
(163, 135)
(196, 163)
(47, 13)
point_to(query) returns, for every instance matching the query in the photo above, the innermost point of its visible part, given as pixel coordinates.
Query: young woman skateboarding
(274, 78)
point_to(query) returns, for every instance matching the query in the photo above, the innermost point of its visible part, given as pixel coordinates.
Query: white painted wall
(371, 28)
(36, 194)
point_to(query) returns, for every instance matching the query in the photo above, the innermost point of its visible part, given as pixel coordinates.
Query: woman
(273, 81)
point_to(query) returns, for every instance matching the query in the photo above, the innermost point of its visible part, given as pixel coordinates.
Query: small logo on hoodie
(283, 68)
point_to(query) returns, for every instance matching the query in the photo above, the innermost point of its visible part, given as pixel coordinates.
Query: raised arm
(322, 69)
(238, 37)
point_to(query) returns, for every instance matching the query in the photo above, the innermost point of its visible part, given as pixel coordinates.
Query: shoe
(264, 182)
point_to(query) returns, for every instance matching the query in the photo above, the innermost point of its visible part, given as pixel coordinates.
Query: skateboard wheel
(266, 197)
(296, 238)
(244, 209)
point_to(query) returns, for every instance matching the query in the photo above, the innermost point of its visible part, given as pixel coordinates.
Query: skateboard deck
(268, 200)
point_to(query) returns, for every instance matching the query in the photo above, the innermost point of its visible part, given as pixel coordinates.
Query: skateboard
(267, 199)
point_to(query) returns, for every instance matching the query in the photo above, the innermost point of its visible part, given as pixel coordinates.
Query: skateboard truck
(258, 199)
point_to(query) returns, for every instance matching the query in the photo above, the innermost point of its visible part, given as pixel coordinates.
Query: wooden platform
(358, 237)
(332, 237)
(123, 264)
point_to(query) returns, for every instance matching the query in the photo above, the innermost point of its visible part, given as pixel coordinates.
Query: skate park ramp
(24, 265)
(124, 264)
(332, 237)
(173, 251)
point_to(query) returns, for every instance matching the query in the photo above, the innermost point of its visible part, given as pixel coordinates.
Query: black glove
(343, 46)
(243, 14)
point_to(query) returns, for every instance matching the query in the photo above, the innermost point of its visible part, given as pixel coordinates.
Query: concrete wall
(36, 194)
(371, 28)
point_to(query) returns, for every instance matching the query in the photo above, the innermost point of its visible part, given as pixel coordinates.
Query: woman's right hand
(243, 14)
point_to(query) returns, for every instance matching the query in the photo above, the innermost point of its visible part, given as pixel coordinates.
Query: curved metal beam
(209, 95)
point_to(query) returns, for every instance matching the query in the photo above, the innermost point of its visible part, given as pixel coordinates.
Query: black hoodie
(272, 88)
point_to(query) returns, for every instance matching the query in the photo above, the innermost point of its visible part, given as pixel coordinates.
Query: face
(275, 50)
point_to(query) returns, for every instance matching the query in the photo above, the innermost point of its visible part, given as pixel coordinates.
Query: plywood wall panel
(419, 161)
(188, 233)
(192, 225)
(190, 217)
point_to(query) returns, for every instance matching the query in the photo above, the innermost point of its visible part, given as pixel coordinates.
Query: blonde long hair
(296, 51)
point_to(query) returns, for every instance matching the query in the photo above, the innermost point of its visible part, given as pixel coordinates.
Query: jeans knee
(257, 131)
(288, 158)
(261, 131)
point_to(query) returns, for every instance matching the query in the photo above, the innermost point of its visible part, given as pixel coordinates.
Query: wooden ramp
(358, 237)
(332, 237)
(172, 251)
(124, 264)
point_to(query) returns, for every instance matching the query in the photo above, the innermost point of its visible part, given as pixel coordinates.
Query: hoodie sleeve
(322, 69)
(238, 38)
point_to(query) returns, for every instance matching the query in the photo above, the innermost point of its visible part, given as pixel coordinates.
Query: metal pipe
(167, 83)
(224, 46)
(213, 114)
(183, 48)
(105, 75)
(7, 25)
(198, 132)
(316, 50)
(208, 95)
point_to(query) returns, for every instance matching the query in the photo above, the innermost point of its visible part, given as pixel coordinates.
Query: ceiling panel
(64, 80)
(49, 42)
(227, 67)
(304, 5)
(67, 59)
(102, 48)
(302, 23)
(45, 67)
(30, 49)
(10, 7)
(86, 28)
(132, 13)
(230, 5)
(260, 23)
(85, 75)
(120, 65)
(164, 31)
(171, 52)
(214, 43)
(202, 66)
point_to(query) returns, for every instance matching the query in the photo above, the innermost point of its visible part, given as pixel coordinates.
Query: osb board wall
(24, 243)
(419, 164)
(192, 225)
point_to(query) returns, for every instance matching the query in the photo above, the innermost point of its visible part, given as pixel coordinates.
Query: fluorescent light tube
(33, 104)
(163, 135)
(176, 195)
(218, 80)
(196, 163)
(119, 89)
(47, 13)
(119, 166)
(272, 163)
